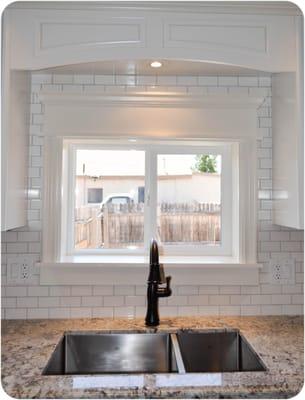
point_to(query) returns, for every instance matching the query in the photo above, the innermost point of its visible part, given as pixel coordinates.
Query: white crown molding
(153, 99)
(219, 7)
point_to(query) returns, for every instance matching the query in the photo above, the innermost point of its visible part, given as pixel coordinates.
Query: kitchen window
(178, 192)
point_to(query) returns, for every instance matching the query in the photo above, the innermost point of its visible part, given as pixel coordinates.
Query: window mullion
(71, 199)
(150, 196)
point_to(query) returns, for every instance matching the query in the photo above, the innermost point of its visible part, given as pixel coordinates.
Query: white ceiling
(142, 67)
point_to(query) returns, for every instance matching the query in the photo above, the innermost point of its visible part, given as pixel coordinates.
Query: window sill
(133, 270)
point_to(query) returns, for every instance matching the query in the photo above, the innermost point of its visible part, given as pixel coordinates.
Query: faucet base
(149, 322)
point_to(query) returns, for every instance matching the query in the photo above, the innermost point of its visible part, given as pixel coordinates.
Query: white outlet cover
(282, 271)
(16, 273)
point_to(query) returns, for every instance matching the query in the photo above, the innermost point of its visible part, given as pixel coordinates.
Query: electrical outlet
(282, 271)
(20, 270)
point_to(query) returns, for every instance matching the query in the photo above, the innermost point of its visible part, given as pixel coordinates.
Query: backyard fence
(121, 225)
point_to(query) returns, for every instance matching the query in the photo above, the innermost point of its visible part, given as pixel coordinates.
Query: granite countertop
(27, 346)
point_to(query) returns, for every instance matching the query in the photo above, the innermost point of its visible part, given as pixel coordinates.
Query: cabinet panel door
(46, 38)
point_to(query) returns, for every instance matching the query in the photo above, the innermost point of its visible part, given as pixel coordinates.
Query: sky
(131, 162)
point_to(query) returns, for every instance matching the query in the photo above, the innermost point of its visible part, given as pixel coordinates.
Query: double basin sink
(86, 353)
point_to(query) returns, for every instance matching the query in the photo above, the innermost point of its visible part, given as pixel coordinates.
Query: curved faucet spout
(154, 252)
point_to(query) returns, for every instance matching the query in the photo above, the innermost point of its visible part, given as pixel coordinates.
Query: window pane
(189, 199)
(95, 195)
(108, 210)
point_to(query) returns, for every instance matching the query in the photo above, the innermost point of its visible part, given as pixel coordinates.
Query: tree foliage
(206, 163)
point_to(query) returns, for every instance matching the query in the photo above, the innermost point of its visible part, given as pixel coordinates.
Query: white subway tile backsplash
(59, 313)
(240, 299)
(70, 301)
(124, 290)
(28, 236)
(15, 313)
(187, 80)
(103, 290)
(261, 299)
(209, 289)
(62, 78)
(188, 311)
(218, 90)
(250, 310)
(81, 290)
(92, 301)
(208, 310)
(271, 310)
(135, 300)
(229, 289)
(128, 312)
(100, 301)
(8, 237)
(102, 312)
(9, 302)
(227, 80)
(264, 81)
(188, 290)
(297, 299)
(146, 80)
(73, 88)
(248, 81)
(17, 248)
(207, 81)
(168, 311)
(39, 291)
(271, 289)
(114, 301)
(38, 313)
(83, 79)
(290, 246)
(229, 310)
(292, 288)
(28, 302)
(41, 78)
(125, 80)
(198, 300)
(219, 299)
(80, 312)
(166, 80)
(281, 299)
(293, 309)
(60, 290)
(48, 301)
(104, 79)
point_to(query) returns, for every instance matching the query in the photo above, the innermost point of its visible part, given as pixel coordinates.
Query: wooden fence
(120, 226)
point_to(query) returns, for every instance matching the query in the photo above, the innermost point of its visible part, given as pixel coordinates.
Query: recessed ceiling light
(156, 64)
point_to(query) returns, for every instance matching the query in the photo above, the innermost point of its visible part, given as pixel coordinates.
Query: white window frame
(152, 150)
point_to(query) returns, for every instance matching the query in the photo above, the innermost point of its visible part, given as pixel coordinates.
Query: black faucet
(155, 278)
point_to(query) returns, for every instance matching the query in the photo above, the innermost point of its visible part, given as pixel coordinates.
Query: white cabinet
(48, 37)
(288, 143)
(14, 139)
(14, 149)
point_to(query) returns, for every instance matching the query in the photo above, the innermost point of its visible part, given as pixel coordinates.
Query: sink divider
(179, 360)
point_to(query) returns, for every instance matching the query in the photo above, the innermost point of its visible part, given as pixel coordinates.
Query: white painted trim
(151, 99)
(51, 218)
(222, 7)
(244, 204)
(228, 226)
(115, 273)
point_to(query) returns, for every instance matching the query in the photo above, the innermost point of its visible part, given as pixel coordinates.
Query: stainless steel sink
(100, 353)
(96, 353)
(214, 351)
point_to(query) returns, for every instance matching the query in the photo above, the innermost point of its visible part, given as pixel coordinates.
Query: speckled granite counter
(27, 346)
